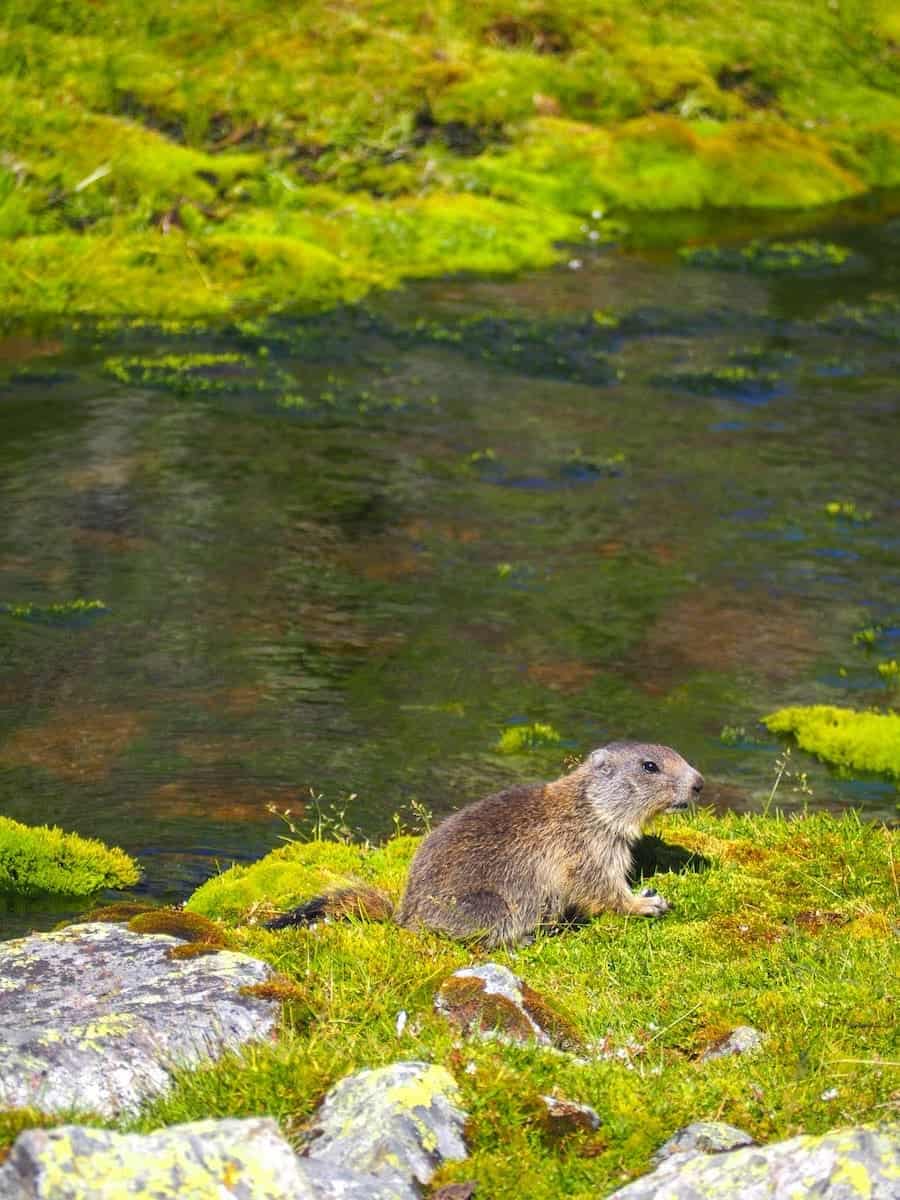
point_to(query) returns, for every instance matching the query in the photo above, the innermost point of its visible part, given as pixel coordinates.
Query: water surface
(344, 555)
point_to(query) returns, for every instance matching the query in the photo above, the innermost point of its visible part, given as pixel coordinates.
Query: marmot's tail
(357, 901)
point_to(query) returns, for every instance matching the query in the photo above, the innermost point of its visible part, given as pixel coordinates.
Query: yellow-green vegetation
(864, 741)
(771, 258)
(783, 924)
(52, 613)
(519, 738)
(38, 860)
(119, 912)
(198, 159)
(190, 926)
(847, 510)
(299, 871)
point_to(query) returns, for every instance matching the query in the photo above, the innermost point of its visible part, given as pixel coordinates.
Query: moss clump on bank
(297, 872)
(184, 162)
(189, 926)
(37, 861)
(864, 741)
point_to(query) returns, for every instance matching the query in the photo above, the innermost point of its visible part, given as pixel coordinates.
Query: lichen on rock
(843, 1165)
(206, 1160)
(96, 1018)
(398, 1123)
(378, 1135)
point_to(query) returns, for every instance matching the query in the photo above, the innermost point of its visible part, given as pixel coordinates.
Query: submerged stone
(490, 1001)
(843, 1165)
(397, 1123)
(95, 1017)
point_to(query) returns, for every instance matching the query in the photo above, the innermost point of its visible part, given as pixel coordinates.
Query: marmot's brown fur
(501, 867)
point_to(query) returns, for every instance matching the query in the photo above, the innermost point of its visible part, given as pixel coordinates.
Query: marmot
(498, 869)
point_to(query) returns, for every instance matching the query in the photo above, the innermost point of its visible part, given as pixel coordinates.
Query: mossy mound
(864, 741)
(164, 162)
(296, 873)
(189, 926)
(41, 860)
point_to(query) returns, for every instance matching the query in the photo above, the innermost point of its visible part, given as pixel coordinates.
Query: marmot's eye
(649, 765)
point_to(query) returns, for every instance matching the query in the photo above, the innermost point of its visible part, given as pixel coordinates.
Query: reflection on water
(343, 555)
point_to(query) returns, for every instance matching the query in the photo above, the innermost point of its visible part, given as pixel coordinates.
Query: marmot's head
(630, 782)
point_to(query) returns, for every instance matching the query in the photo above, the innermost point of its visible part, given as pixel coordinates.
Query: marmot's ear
(601, 761)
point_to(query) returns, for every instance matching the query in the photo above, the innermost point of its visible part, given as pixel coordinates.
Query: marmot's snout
(693, 788)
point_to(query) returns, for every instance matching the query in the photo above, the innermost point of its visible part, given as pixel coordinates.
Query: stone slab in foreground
(96, 1018)
(398, 1123)
(843, 1165)
(378, 1135)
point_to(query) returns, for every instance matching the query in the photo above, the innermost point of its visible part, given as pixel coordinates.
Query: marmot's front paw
(654, 904)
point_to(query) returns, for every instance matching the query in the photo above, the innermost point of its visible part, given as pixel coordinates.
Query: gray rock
(843, 1165)
(398, 1123)
(569, 1116)
(743, 1040)
(378, 1135)
(489, 1001)
(96, 1018)
(206, 1160)
(703, 1137)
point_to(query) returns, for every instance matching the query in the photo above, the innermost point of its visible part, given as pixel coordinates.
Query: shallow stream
(344, 556)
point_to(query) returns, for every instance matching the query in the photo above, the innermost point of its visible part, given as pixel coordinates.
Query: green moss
(847, 510)
(14, 1121)
(52, 614)
(739, 381)
(771, 258)
(45, 861)
(189, 926)
(175, 164)
(862, 741)
(191, 950)
(285, 878)
(519, 738)
(122, 910)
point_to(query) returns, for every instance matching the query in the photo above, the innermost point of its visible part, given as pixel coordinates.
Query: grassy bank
(781, 924)
(209, 158)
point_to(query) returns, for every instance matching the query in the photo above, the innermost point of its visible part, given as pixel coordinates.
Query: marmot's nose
(697, 785)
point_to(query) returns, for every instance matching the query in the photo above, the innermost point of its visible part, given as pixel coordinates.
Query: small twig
(867, 1062)
(99, 173)
(672, 1024)
(894, 872)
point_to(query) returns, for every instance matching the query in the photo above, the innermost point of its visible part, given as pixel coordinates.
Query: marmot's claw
(657, 905)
